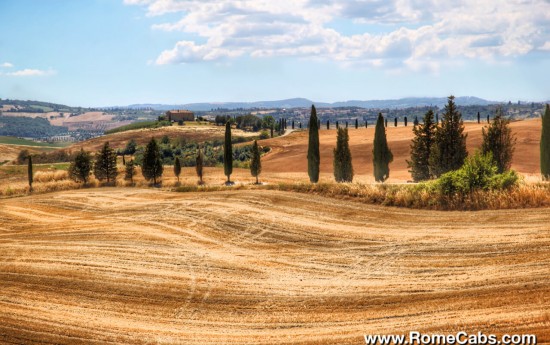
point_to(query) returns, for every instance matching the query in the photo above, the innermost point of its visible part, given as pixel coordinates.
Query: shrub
(479, 172)
(264, 135)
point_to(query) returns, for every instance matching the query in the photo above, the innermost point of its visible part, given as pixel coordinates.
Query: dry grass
(141, 266)
(48, 176)
(417, 196)
(526, 195)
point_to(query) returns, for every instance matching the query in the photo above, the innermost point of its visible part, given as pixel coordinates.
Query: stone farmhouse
(180, 115)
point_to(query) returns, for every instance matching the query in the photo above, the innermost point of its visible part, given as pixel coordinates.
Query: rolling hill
(142, 266)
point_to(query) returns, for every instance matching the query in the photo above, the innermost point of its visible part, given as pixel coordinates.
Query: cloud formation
(28, 72)
(6, 65)
(416, 34)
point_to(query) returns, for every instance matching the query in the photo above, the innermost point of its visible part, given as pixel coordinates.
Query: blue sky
(119, 52)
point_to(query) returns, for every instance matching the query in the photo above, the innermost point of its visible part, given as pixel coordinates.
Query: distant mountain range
(303, 103)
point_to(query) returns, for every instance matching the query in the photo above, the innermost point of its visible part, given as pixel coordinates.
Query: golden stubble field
(142, 266)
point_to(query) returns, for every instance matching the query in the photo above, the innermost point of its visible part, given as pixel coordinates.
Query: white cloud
(27, 72)
(6, 65)
(412, 33)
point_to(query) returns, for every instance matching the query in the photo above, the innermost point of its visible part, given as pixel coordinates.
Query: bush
(479, 172)
(506, 180)
(264, 135)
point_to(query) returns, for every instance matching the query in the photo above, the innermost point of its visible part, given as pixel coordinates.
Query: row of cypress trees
(435, 150)
(152, 168)
(342, 162)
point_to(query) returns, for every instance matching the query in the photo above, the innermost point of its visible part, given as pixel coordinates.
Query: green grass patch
(139, 125)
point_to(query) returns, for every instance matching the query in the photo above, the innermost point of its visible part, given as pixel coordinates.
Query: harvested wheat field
(141, 266)
(289, 152)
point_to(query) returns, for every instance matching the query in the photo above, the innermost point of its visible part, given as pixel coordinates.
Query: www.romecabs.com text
(460, 338)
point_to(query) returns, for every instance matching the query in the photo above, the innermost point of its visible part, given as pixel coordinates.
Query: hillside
(189, 132)
(289, 152)
(140, 266)
(304, 103)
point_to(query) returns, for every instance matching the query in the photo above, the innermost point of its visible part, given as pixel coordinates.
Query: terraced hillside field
(141, 266)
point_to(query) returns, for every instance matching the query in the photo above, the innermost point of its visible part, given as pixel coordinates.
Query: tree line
(104, 164)
(437, 149)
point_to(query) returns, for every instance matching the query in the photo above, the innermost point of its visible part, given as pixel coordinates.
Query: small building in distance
(180, 115)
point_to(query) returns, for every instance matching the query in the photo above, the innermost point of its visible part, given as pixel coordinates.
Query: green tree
(79, 170)
(199, 164)
(105, 164)
(165, 140)
(419, 164)
(499, 140)
(151, 167)
(30, 174)
(356, 123)
(343, 168)
(130, 171)
(131, 147)
(448, 151)
(228, 153)
(313, 155)
(177, 168)
(255, 161)
(382, 155)
(545, 145)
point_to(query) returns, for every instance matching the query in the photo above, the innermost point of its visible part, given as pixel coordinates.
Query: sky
(121, 52)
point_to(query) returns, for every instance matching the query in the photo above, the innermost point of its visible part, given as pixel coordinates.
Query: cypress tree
(300, 125)
(488, 119)
(255, 161)
(343, 168)
(328, 124)
(130, 171)
(395, 122)
(346, 124)
(366, 124)
(448, 151)
(313, 155)
(105, 164)
(228, 154)
(356, 123)
(405, 121)
(177, 168)
(272, 128)
(415, 123)
(437, 119)
(337, 125)
(420, 148)
(385, 124)
(79, 170)
(292, 124)
(478, 118)
(199, 165)
(152, 168)
(30, 174)
(382, 155)
(545, 145)
(318, 124)
(498, 140)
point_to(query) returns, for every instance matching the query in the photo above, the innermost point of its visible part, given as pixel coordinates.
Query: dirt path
(256, 267)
